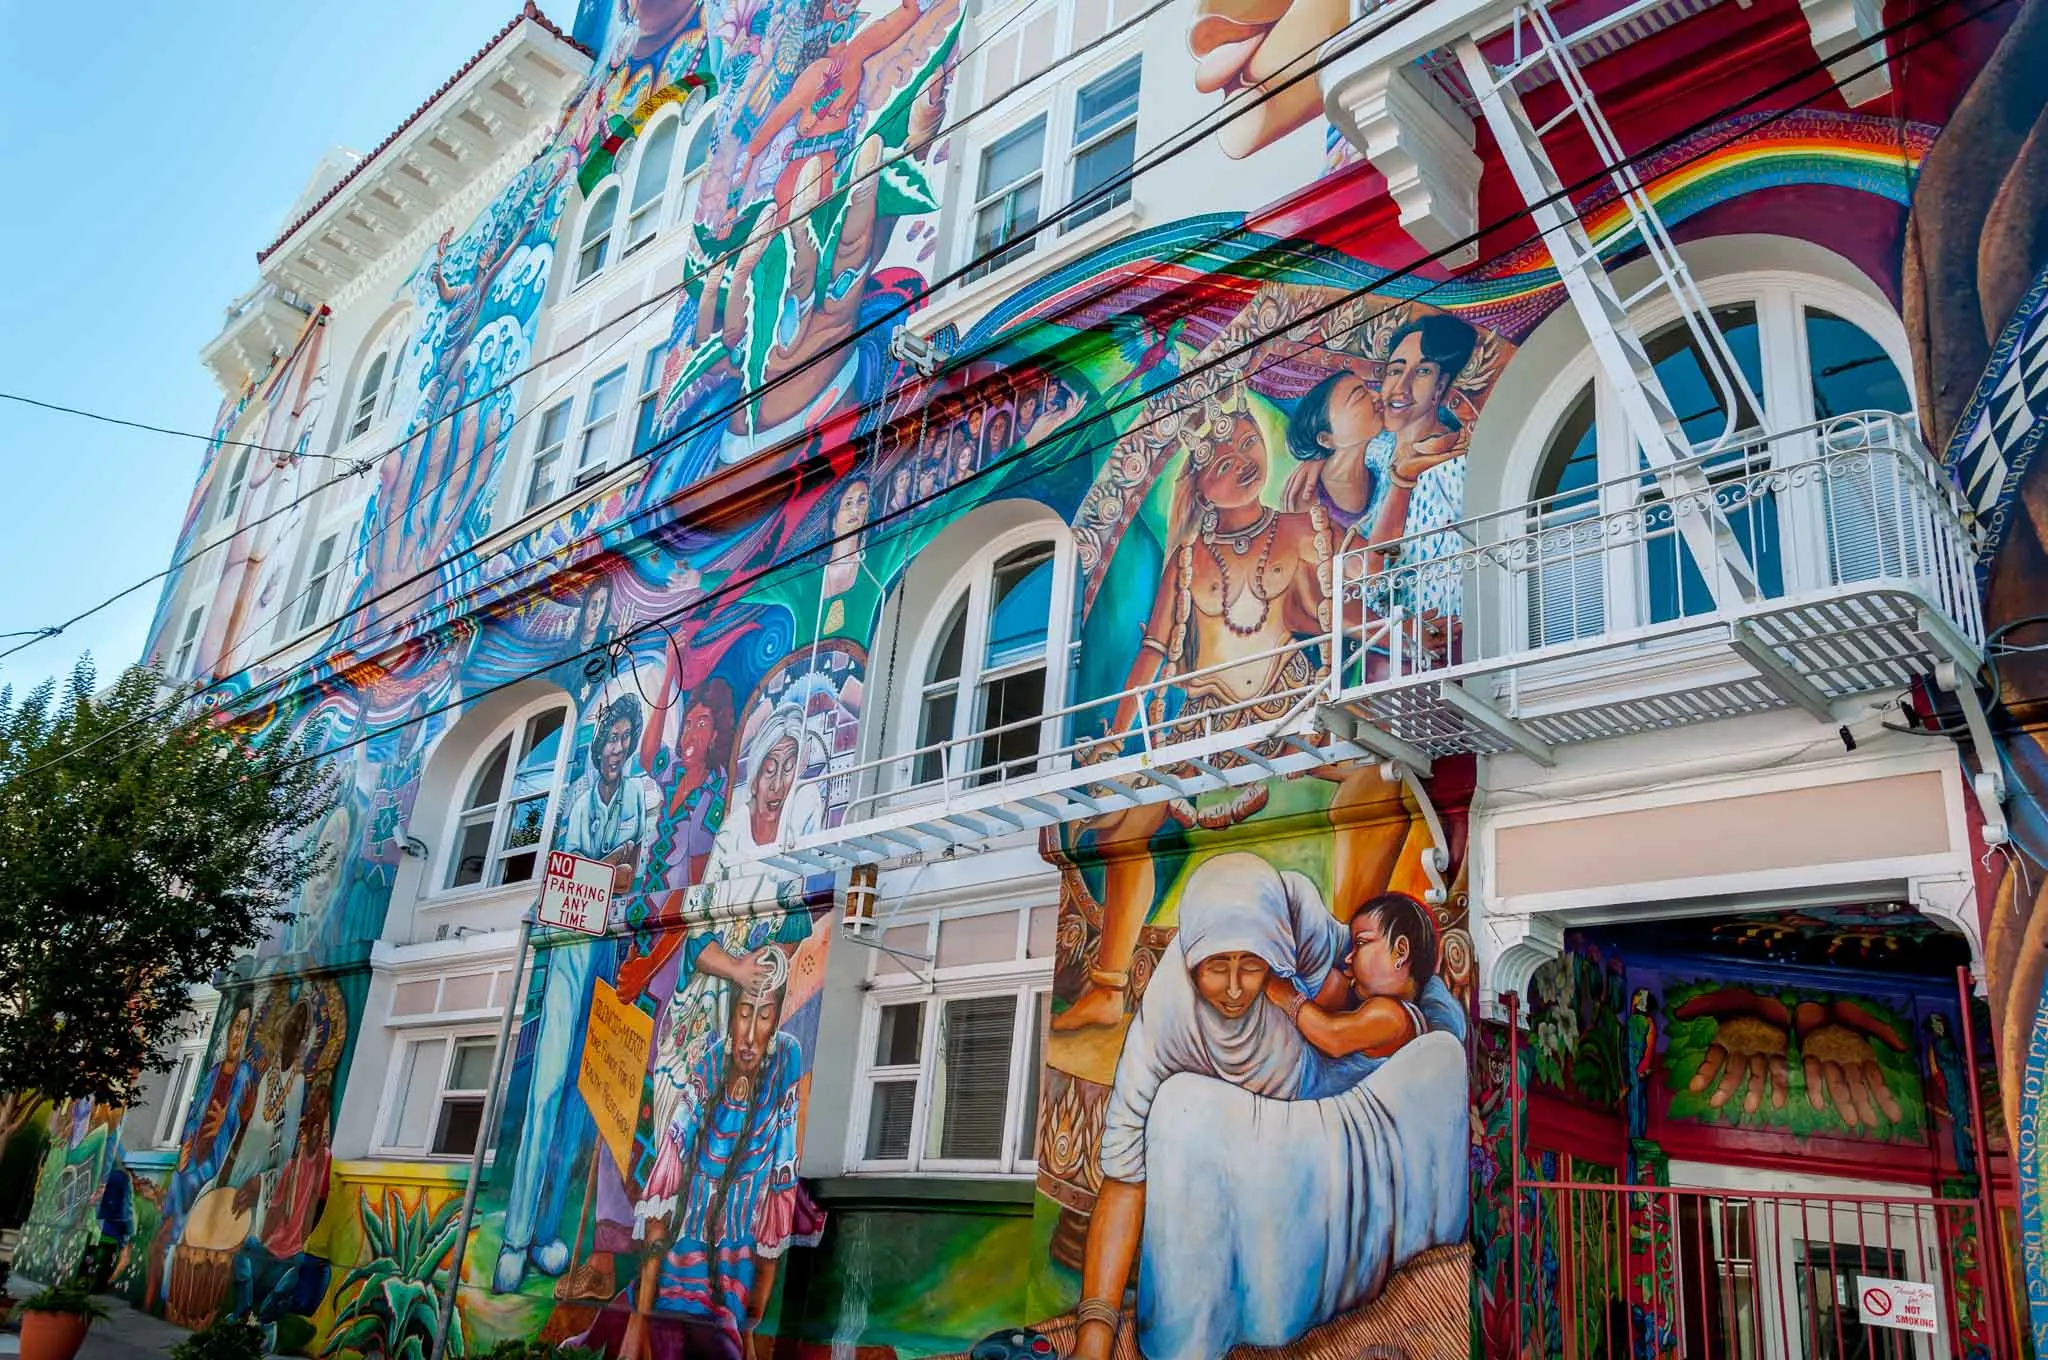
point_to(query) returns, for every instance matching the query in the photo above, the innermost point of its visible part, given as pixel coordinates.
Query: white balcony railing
(1570, 619)
(1860, 543)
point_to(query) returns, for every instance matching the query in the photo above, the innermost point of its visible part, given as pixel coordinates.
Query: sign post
(1904, 1305)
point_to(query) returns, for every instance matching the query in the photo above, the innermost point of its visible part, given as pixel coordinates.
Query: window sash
(600, 426)
(498, 813)
(547, 453)
(313, 607)
(597, 235)
(976, 677)
(177, 1094)
(1030, 994)
(424, 1107)
(188, 642)
(231, 494)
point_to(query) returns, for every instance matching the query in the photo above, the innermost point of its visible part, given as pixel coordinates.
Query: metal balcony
(1581, 617)
(1571, 619)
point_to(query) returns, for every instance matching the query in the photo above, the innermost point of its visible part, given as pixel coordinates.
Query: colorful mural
(63, 1221)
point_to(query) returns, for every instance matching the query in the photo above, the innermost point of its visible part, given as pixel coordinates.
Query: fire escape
(1477, 640)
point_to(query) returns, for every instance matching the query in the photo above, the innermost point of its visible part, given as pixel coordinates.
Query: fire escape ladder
(1605, 312)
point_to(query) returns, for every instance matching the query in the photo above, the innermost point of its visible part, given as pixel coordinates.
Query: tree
(141, 850)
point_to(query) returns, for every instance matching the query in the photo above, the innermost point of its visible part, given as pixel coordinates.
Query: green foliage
(520, 1349)
(72, 1296)
(390, 1305)
(224, 1338)
(141, 849)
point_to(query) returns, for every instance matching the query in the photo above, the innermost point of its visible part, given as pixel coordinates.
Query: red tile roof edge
(528, 11)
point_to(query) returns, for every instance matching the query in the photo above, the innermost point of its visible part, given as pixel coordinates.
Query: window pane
(1006, 219)
(525, 822)
(946, 656)
(461, 1118)
(471, 849)
(471, 1070)
(604, 398)
(601, 212)
(934, 726)
(541, 486)
(518, 868)
(700, 148)
(1034, 1059)
(1013, 157)
(484, 791)
(1020, 606)
(419, 1092)
(972, 1078)
(656, 155)
(1107, 102)
(900, 1035)
(1572, 462)
(650, 399)
(987, 938)
(889, 1120)
(1694, 396)
(1102, 177)
(542, 743)
(554, 425)
(1850, 371)
(1012, 699)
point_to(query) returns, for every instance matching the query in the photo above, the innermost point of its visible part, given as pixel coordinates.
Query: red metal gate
(1648, 1272)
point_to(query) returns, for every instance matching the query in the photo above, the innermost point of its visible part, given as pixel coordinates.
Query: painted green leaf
(766, 290)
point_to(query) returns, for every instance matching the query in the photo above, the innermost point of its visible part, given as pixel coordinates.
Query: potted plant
(224, 1338)
(53, 1322)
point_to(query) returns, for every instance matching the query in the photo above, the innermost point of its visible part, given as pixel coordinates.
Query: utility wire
(1196, 132)
(358, 466)
(737, 583)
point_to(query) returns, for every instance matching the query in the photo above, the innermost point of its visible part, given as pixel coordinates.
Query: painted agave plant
(387, 1307)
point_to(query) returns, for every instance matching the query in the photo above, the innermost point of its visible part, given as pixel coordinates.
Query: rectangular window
(320, 574)
(547, 454)
(650, 399)
(600, 427)
(177, 1094)
(1007, 196)
(951, 1080)
(1105, 143)
(188, 642)
(442, 1084)
(231, 494)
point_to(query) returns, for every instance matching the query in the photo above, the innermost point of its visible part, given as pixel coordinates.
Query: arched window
(597, 234)
(695, 158)
(1809, 352)
(650, 183)
(366, 410)
(507, 808)
(993, 663)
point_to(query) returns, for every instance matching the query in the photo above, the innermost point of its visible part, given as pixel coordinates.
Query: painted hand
(1748, 1054)
(1260, 44)
(1841, 1066)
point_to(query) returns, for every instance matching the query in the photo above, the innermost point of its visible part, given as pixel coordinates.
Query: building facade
(1365, 620)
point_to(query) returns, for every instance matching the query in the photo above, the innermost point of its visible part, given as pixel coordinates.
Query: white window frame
(535, 496)
(649, 369)
(975, 577)
(653, 211)
(581, 273)
(1781, 299)
(689, 188)
(1029, 980)
(314, 601)
(236, 485)
(185, 653)
(367, 407)
(1054, 101)
(391, 1107)
(181, 1084)
(602, 431)
(514, 728)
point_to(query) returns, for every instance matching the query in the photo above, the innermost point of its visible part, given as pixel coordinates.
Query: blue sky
(151, 157)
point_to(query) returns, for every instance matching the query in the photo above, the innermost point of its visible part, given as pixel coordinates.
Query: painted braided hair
(777, 988)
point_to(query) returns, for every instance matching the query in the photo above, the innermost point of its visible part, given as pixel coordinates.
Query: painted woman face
(1412, 388)
(1237, 464)
(899, 486)
(1353, 412)
(773, 780)
(852, 512)
(694, 743)
(1231, 983)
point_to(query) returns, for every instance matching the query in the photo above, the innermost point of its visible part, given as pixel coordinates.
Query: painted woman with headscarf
(752, 907)
(1304, 1207)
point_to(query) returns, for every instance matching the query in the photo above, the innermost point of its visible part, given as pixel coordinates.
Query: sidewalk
(126, 1334)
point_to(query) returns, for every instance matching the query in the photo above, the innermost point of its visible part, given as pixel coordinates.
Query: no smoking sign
(1906, 1305)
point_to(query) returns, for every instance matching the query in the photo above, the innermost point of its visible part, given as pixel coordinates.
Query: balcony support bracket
(1788, 684)
(1957, 675)
(1381, 743)
(1483, 715)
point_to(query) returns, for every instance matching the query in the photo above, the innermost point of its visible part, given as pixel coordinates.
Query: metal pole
(1991, 1244)
(1513, 1004)
(493, 1110)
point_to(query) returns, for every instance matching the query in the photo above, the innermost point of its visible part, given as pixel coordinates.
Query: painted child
(1386, 994)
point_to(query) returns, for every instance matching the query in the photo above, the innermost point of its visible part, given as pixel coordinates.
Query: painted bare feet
(1095, 1006)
